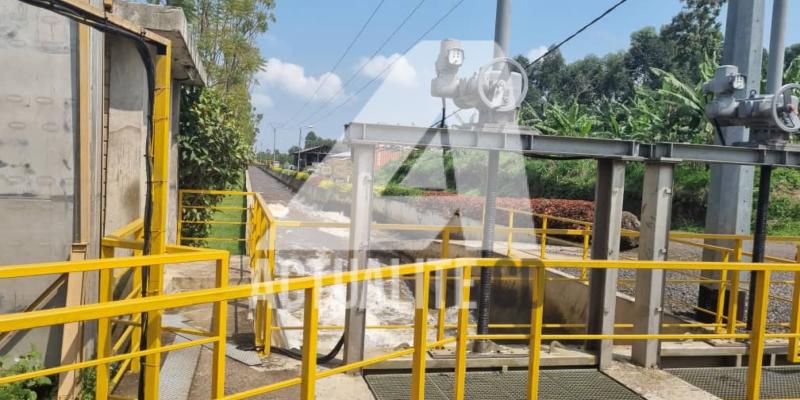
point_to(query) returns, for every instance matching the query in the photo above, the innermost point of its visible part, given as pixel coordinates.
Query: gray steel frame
(530, 142)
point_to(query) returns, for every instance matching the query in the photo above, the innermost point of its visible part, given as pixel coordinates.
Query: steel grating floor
(566, 384)
(730, 383)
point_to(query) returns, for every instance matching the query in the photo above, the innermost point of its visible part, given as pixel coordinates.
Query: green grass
(229, 231)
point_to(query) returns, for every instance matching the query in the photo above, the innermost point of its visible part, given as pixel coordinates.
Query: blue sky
(309, 36)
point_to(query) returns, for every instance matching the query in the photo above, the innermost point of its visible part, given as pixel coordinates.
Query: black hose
(321, 359)
(760, 235)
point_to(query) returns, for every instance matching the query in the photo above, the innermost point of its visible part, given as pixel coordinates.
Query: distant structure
(310, 156)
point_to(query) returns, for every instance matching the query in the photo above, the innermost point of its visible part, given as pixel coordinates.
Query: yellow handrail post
(733, 302)
(420, 334)
(136, 334)
(441, 290)
(793, 353)
(585, 255)
(510, 243)
(308, 373)
(756, 350)
(180, 218)
(719, 328)
(104, 329)
(535, 344)
(446, 243)
(543, 242)
(461, 335)
(219, 331)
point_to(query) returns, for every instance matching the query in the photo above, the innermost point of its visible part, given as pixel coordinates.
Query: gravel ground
(680, 297)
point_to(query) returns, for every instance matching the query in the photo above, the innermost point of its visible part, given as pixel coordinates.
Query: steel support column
(609, 190)
(730, 194)
(360, 220)
(158, 228)
(653, 245)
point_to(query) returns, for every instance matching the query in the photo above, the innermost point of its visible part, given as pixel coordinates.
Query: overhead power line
(389, 66)
(361, 68)
(578, 32)
(339, 61)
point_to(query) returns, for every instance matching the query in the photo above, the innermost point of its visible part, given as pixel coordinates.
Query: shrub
(327, 184)
(303, 176)
(397, 190)
(277, 169)
(37, 388)
(344, 187)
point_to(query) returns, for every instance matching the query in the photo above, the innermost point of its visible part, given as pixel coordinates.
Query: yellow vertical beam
(267, 307)
(219, 331)
(446, 243)
(733, 301)
(585, 255)
(441, 291)
(104, 329)
(756, 351)
(544, 237)
(461, 338)
(136, 335)
(510, 242)
(793, 353)
(180, 218)
(535, 344)
(308, 371)
(723, 280)
(160, 191)
(423, 281)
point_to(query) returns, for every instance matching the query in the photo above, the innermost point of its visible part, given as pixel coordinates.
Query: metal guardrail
(104, 312)
(262, 244)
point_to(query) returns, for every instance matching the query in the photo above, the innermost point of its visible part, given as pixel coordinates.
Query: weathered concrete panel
(127, 99)
(38, 97)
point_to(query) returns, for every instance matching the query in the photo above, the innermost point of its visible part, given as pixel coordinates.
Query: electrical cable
(321, 359)
(363, 65)
(339, 61)
(578, 32)
(389, 66)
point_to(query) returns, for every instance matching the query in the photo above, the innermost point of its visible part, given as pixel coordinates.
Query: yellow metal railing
(105, 312)
(262, 243)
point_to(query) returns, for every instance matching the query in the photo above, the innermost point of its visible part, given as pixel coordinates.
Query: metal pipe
(777, 46)
(501, 37)
(760, 236)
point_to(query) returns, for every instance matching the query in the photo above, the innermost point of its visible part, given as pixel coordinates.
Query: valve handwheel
(502, 99)
(784, 111)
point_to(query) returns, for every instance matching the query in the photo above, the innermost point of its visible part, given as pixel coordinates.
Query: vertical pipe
(777, 46)
(501, 37)
(760, 236)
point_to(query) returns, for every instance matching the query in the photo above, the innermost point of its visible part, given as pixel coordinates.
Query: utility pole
(502, 27)
(730, 195)
(274, 144)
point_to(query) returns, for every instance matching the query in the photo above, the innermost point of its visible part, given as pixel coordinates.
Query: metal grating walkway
(730, 383)
(573, 384)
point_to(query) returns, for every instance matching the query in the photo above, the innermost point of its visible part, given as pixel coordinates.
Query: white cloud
(292, 79)
(536, 52)
(400, 73)
(261, 100)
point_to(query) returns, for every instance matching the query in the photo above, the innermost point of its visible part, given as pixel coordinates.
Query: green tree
(691, 35)
(647, 51)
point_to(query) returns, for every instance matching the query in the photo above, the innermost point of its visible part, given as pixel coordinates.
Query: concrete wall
(38, 121)
(127, 100)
